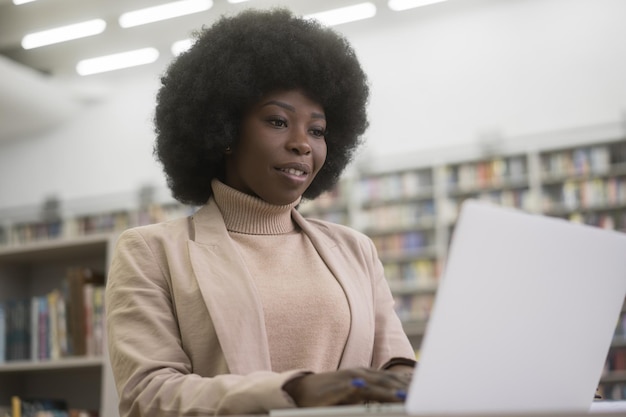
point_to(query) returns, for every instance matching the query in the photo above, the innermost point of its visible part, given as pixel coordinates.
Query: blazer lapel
(229, 293)
(358, 290)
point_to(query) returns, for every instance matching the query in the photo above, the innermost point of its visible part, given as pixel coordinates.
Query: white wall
(510, 66)
(444, 75)
(107, 149)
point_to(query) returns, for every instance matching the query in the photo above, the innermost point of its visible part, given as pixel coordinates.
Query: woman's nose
(299, 142)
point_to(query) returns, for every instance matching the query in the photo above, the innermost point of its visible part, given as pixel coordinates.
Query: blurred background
(518, 102)
(446, 76)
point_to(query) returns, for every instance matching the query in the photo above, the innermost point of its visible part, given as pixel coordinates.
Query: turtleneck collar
(247, 214)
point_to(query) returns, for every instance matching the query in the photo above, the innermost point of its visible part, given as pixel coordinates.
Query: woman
(246, 306)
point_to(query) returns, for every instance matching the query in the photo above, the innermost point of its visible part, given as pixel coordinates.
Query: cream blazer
(185, 328)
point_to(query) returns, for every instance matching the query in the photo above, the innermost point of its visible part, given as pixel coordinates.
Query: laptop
(522, 321)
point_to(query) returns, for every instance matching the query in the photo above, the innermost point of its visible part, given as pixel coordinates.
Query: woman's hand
(348, 386)
(405, 370)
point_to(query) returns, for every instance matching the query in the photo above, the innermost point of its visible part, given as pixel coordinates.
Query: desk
(600, 408)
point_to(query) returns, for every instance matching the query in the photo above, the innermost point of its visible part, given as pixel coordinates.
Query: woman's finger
(350, 386)
(382, 378)
(361, 390)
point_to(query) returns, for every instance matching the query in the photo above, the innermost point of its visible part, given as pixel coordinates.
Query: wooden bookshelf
(52, 364)
(33, 270)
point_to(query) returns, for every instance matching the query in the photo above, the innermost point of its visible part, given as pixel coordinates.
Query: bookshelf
(409, 204)
(334, 205)
(38, 268)
(586, 184)
(398, 210)
(613, 381)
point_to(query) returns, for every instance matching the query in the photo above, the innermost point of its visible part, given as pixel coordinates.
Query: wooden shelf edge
(45, 365)
(400, 288)
(414, 327)
(613, 377)
(55, 243)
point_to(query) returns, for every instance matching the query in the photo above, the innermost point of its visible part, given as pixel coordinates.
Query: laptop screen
(524, 315)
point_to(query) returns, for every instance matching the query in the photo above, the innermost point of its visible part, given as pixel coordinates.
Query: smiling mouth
(293, 171)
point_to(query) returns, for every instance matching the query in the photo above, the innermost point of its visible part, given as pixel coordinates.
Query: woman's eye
(277, 122)
(318, 132)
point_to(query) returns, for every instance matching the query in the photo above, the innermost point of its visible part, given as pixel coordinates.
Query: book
(3, 330)
(88, 289)
(62, 336)
(53, 325)
(98, 319)
(34, 327)
(77, 322)
(17, 329)
(38, 407)
(43, 350)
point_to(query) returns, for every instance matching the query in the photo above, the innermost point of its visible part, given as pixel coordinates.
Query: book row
(521, 198)
(610, 221)
(399, 215)
(422, 273)
(485, 174)
(414, 307)
(585, 194)
(396, 185)
(502, 180)
(44, 407)
(114, 221)
(403, 243)
(616, 360)
(582, 161)
(65, 322)
(497, 172)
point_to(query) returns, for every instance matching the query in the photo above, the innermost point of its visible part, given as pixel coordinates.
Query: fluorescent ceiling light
(163, 12)
(345, 14)
(18, 2)
(64, 33)
(399, 5)
(237, 1)
(117, 61)
(179, 47)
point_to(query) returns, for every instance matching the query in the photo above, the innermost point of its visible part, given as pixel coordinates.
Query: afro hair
(231, 65)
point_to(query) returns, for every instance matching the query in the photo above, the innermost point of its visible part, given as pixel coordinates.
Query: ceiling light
(179, 47)
(399, 5)
(345, 14)
(64, 33)
(237, 1)
(163, 12)
(117, 61)
(18, 2)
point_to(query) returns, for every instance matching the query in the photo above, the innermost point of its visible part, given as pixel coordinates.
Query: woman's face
(281, 148)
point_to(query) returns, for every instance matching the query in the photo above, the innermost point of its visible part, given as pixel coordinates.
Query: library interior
(518, 103)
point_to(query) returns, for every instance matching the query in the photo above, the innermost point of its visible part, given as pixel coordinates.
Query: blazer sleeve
(153, 374)
(390, 340)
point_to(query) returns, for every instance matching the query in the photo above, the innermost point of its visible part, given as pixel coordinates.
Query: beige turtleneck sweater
(307, 317)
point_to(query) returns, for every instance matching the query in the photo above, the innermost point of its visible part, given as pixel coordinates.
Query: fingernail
(358, 382)
(401, 394)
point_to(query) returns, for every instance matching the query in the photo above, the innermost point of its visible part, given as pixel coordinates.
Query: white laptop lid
(523, 317)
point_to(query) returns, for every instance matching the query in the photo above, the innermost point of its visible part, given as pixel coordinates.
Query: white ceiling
(40, 88)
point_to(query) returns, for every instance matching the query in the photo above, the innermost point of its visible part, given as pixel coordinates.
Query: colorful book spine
(34, 328)
(44, 347)
(3, 343)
